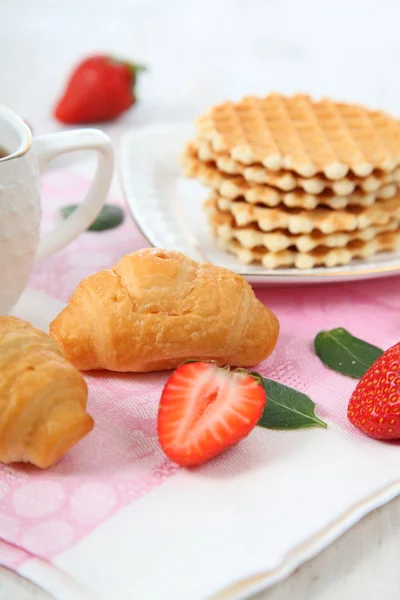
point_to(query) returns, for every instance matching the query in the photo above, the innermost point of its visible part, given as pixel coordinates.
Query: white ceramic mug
(20, 207)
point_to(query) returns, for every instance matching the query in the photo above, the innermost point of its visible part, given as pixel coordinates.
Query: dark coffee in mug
(3, 152)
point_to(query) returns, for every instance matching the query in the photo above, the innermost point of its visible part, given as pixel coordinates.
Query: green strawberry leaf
(109, 217)
(134, 68)
(287, 408)
(139, 67)
(344, 353)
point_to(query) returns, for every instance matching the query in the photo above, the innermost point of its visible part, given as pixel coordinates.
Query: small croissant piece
(157, 308)
(42, 397)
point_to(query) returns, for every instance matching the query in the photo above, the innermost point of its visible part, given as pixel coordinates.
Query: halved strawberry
(205, 409)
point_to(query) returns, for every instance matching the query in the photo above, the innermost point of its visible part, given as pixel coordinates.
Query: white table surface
(201, 52)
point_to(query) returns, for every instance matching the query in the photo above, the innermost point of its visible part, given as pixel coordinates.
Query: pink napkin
(47, 512)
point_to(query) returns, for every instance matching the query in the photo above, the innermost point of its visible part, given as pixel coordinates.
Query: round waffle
(320, 256)
(288, 180)
(235, 186)
(224, 228)
(303, 135)
(297, 220)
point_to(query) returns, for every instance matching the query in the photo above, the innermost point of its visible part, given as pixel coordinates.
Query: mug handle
(51, 145)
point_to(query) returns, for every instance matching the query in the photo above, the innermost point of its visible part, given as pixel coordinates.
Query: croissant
(42, 397)
(157, 308)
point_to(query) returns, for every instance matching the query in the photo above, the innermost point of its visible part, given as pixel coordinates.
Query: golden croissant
(42, 397)
(157, 308)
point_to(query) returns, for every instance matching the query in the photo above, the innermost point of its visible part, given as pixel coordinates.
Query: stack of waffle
(295, 182)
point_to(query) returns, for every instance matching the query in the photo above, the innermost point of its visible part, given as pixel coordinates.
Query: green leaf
(139, 67)
(342, 352)
(287, 408)
(109, 217)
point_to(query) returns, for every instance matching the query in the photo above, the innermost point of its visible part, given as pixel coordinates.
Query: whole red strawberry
(99, 89)
(374, 406)
(205, 409)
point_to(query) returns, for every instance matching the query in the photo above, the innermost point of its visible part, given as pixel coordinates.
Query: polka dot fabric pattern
(46, 512)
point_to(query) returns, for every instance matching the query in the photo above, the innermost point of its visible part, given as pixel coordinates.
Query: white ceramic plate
(167, 208)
